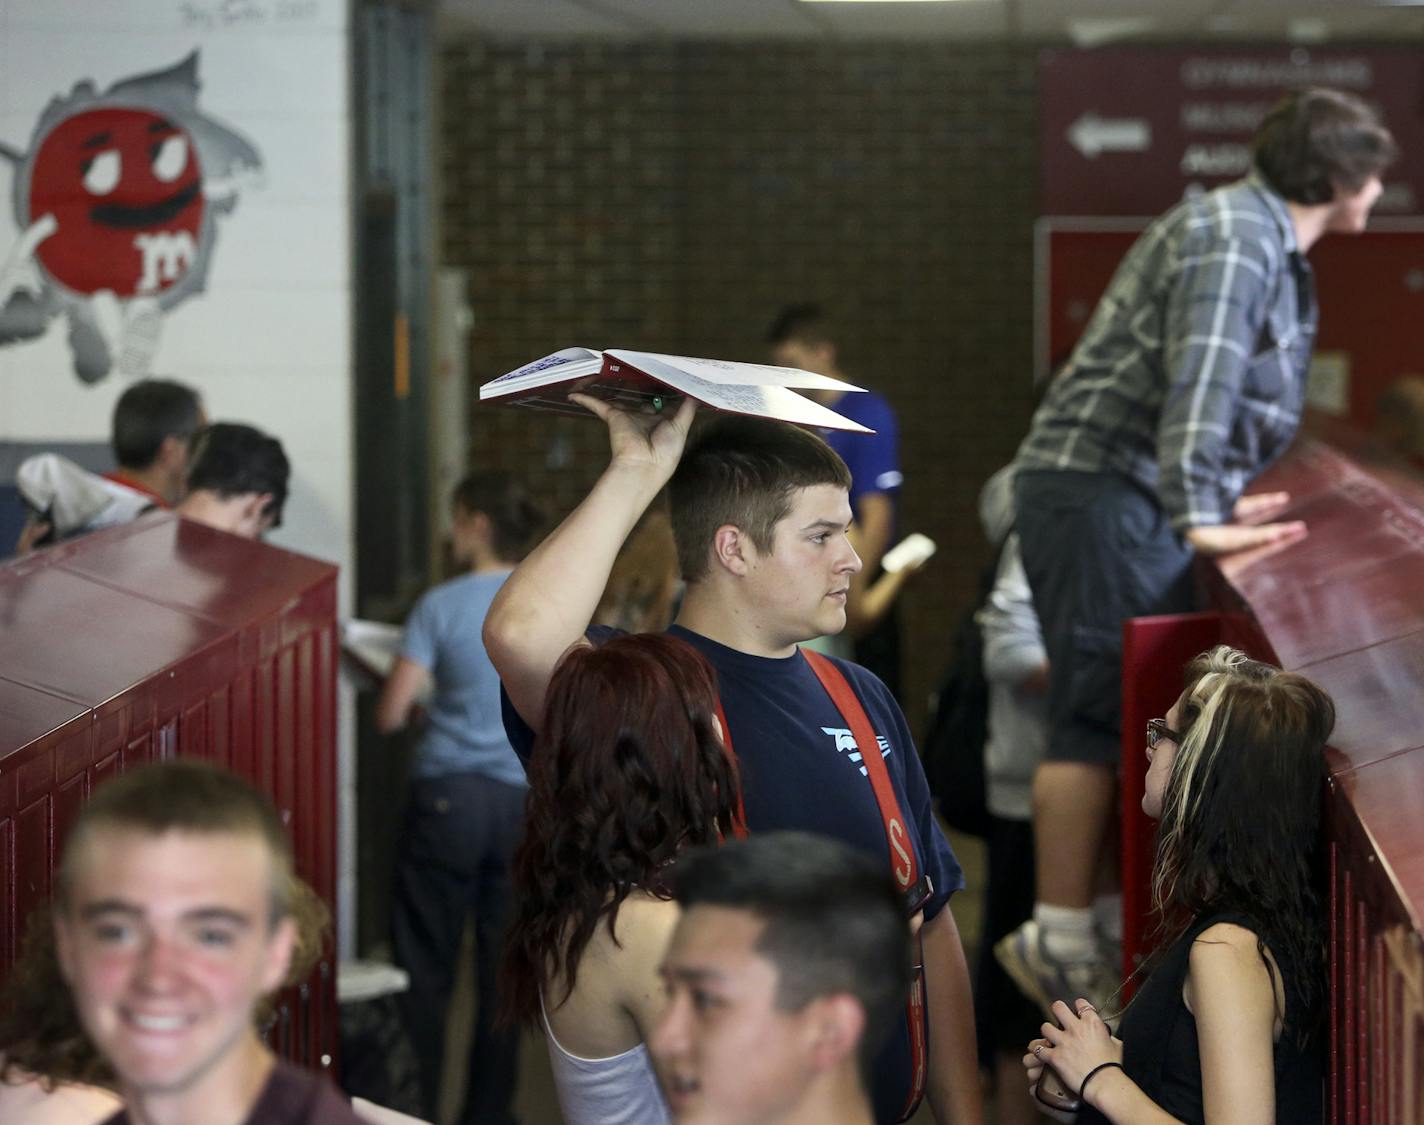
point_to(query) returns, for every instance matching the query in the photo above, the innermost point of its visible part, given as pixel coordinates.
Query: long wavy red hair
(628, 769)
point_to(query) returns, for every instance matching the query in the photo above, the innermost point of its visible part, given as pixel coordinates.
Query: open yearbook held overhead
(648, 380)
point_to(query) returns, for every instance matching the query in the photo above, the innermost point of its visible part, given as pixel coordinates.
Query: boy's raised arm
(546, 605)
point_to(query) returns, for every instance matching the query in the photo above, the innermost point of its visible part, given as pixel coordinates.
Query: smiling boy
(760, 513)
(173, 920)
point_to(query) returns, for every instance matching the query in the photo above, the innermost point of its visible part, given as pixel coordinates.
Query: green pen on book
(657, 404)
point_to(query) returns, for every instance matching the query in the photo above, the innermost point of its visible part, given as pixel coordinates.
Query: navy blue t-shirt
(801, 769)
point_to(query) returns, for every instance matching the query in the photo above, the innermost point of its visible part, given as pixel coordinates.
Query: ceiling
(1086, 23)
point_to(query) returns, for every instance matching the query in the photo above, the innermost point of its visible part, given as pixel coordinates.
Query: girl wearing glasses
(1225, 1025)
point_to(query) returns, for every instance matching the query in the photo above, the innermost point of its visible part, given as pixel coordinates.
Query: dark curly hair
(627, 771)
(1240, 821)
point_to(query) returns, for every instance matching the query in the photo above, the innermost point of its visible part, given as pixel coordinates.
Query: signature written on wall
(214, 15)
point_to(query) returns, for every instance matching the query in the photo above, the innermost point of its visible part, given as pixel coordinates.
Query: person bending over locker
(1187, 382)
(153, 426)
(237, 480)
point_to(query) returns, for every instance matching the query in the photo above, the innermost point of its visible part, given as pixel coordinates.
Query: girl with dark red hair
(629, 769)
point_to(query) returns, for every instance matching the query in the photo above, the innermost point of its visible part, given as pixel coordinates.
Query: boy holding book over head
(760, 512)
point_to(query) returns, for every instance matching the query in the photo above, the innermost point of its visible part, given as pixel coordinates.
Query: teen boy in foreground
(173, 920)
(788, 966)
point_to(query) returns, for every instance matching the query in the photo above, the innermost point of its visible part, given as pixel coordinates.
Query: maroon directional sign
(1127, 131)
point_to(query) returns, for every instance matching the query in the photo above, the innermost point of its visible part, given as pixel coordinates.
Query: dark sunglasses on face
(1158, 730)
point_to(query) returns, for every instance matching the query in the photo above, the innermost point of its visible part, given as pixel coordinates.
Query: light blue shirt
(442, 635)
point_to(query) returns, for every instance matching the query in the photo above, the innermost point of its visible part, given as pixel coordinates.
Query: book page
(648, 381)
(562, 366)
(779, 403)
(731, 373)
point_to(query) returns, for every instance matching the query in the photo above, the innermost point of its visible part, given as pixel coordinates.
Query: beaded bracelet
(1089, 1076)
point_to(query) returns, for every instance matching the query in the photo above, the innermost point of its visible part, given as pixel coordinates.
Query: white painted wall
(269, 342)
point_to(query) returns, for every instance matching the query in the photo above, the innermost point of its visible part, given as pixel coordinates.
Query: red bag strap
(902, 855)
(902, 851)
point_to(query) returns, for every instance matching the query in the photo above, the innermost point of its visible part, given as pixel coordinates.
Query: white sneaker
(1044, 978)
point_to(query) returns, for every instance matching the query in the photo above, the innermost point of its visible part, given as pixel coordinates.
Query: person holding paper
(1188, 381)
(761, 515)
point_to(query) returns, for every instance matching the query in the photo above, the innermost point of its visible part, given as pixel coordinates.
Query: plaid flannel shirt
(1190, 377)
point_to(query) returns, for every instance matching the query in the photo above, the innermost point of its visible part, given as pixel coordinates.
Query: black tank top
(1161, 1054)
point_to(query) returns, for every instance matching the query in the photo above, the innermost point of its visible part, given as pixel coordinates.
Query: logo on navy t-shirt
(846, 744)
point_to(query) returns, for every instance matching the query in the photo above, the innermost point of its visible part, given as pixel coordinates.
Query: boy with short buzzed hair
(154, 420)
(173, 918)
(154, 423)
(760, 513)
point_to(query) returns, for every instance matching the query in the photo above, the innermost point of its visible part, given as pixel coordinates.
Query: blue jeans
(460, 835)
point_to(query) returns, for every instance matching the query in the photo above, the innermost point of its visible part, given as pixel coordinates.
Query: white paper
(374, 643)
(731, 373)
(740, 388)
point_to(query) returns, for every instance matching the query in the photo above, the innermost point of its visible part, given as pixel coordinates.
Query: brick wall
(673, 196)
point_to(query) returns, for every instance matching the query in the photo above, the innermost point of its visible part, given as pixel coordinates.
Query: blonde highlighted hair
(1241, 809)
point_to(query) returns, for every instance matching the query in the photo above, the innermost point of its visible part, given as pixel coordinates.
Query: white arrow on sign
(1092, 134)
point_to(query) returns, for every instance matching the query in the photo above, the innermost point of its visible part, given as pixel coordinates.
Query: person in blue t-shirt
(801, 336)
(761, 514)
(466, 808)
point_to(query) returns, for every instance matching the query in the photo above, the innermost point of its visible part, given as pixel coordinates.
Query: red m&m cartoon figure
(117, 202)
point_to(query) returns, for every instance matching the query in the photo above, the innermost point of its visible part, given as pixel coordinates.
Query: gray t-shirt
(442, 635)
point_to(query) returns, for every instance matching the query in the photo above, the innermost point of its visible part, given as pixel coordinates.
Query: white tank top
(622, 1090)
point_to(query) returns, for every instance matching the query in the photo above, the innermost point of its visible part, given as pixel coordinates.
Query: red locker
(158, 639)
